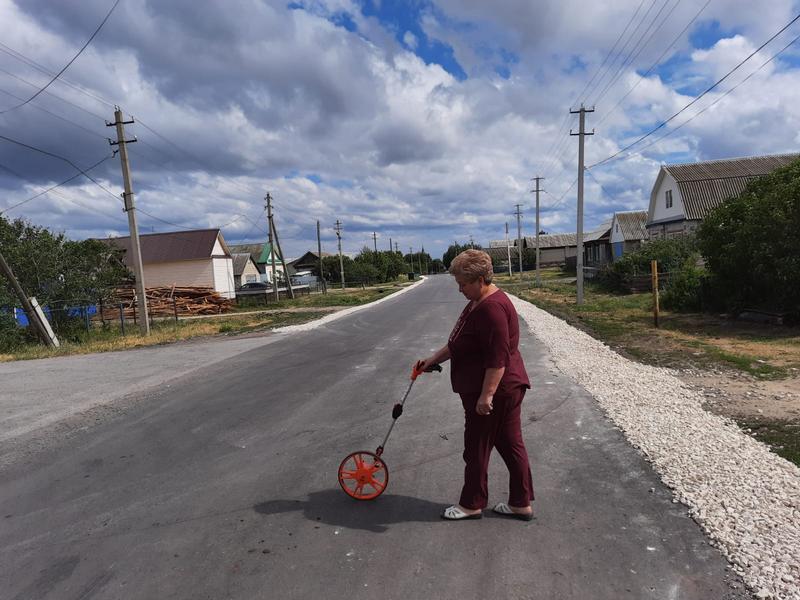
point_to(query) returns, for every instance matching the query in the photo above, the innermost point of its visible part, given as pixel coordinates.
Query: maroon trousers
(502, 430)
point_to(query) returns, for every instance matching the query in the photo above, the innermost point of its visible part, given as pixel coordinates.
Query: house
(308, 262)
(684, 194)
(628, 230)
(554, 248)
(263, 256)
(597, 246)
(196, 258)
(245, 269)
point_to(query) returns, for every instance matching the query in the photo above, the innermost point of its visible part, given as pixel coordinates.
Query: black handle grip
(434, 368)
(397, 410)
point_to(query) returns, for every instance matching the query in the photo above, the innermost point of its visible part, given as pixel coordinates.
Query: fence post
(175, 308)
(654, 277)
(134, 309)
(122, 318)
(102, 316)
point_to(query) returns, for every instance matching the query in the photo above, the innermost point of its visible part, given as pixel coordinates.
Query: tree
(454, 250)
(751, 244)
(61, 273)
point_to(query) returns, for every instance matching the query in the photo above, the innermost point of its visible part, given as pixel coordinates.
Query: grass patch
(684, 340)
(782, 437)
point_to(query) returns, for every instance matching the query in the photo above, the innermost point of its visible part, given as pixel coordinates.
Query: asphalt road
(224, 486)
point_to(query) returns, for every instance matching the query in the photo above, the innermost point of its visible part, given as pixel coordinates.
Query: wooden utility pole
(411, 257)
(130, 209)
(654, 278)
(286, 276)
(537, 190)
(508, 251)
(319, 254)
(338, 230)
(519, 238)
(421, 256)
(268, 199)
(581, 135)
(375, 241)
(27, 306)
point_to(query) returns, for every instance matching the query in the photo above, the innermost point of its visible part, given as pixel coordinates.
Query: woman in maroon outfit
(488, 373)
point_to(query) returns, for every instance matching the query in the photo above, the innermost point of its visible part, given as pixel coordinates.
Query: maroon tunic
(486, 337)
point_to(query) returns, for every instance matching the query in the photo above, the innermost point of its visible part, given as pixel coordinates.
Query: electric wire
(654, 65)
(72, 60)
(696, 99)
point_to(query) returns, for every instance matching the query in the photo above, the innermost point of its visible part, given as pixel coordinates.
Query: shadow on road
(333, 507)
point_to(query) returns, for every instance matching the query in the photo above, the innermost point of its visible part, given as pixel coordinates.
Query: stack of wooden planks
(164, 301)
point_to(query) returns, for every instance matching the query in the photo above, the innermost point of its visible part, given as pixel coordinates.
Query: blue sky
(422, 121)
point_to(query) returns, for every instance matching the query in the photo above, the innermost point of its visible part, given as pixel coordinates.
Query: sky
(422, 121)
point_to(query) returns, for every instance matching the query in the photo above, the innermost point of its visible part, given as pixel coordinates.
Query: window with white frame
(668, 195)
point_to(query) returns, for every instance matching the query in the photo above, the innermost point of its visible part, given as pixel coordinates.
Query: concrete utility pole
(508, 251)
(338, 230)
(537, 190)
(581, 135)
(27, 305)
(268, 205)
(396, 247)
(519, 238)
(411, 257)
(127, 197)
(390, 245)
(375, 241)
(319, 254)
(421, 256)
(289, 289)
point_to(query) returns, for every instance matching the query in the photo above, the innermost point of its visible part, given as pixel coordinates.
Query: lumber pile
(164, 301)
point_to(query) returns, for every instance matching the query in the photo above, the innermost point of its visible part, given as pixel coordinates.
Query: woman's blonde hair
(473, 264)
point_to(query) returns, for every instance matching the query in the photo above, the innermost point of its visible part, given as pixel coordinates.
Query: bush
(752, 247)
(685, 289)
(11, 335)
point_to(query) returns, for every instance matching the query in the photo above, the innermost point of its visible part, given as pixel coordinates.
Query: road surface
(223, 485)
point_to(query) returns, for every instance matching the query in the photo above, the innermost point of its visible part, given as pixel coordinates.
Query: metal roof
(705, 185)
(240, 262)
(632, 224)
(172, 246)
(553, 240)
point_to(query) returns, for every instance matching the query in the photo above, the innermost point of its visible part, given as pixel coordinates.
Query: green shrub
(685, 289)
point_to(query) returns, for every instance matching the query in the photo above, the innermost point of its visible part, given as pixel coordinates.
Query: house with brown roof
(684, 194)
(628, 230)
(196, 258)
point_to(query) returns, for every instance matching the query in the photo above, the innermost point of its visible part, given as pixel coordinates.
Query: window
(668, 195)
(617, 227)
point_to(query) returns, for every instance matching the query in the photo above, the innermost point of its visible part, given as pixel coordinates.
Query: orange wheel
(363, 475)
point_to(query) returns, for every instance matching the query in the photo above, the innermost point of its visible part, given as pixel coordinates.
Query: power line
(50, 189)
(74, 58)
(655, 63)
(721, 97)
(719, 81)
(62, 158)
(638, 47)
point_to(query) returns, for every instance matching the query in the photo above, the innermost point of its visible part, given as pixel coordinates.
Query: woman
(488, 373)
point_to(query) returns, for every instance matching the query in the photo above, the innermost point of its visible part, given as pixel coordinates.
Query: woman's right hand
(423, 364)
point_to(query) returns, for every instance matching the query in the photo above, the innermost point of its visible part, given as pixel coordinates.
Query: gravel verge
(744, 497)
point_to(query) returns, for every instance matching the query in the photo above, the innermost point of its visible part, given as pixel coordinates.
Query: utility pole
(268, 199)
(581, 135)
(421, 256)
(127, 197)
(319, 255)
(390, 244)
(375, 241)
(508, 251)
(27, 305)
(396, 247)
(471, 242)
(411, 257)
(289, 289)
(519, 238)
(537, 190)
(338, 230)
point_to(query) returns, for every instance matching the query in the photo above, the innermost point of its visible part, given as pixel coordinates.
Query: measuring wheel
(363, 475)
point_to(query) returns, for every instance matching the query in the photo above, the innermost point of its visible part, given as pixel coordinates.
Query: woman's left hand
(484, 405)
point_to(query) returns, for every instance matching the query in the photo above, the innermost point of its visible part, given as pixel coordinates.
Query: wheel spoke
(359, 489)
(359, 462)
(377, 485)
(348, 474)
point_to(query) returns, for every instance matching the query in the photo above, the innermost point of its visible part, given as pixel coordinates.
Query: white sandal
(503, 509)
(453, 513)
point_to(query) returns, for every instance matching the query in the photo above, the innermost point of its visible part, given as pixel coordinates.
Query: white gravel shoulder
(745, 498)
(347, 311)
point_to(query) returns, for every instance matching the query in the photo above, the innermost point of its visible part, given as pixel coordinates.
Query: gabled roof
(632, 224)
(597, 234)
(173, 245)
(240, 260)
(553, 240)
(705, 185)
